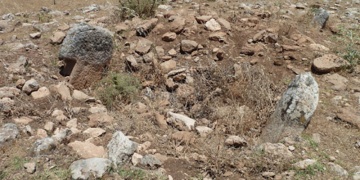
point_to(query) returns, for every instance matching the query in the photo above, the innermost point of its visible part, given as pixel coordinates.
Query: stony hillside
(180, 89)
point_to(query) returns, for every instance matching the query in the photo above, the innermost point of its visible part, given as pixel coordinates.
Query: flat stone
(189, 122)
(339, 82)
(143, 46)
(203, 19)
(99, 119)
(90, 168)
(94, 132)
(87, 149)
(183, 137)
(57, 37)
(328, 63)
(226, 24)
(23, 120)
(168, 65)
(169, 36)
(79, 95)
(218, 36)
(278, 150)
(305, 163)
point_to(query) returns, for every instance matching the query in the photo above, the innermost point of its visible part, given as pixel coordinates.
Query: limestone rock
(98, 119)
(169, 36)
(338, 81)
(41, 93)
(150, 161)
(278, 150)
(212, 25)
(23, 120)
(143, 46)
(19, 66)
(64, 91)
(120, 149)
(356, 173)
(131, 63)
(188, 46)
(136, 158)
(36, 35)
(89, 168)
(177, 25)
(235, 141)
(86, 51)
(95, 132)
(321, 17)
(305, 163)
(9, 92)
(328, 63)
(226, 24)
(189, 122)
(30, 167)
(44, 145)
(294, 110)
(79, 95)
(183, 137)
(218, 36)
(203, 130)
(168, 66)
(340, 171)
(57, 37)
(30, 86)
(8, 132)
(87, 149)
(203, 19)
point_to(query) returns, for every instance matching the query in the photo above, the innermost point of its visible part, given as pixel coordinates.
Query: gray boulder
(8, 132)
(120, 149)
(86, 51)
(294, 110)
(321, 17)
(89, 168)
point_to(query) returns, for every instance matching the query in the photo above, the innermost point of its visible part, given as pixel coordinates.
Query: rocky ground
(205, 78)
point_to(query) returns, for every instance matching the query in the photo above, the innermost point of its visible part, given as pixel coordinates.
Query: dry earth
(229, 84)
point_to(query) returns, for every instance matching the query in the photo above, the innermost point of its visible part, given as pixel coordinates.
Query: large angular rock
(89, 168)
(120, 149)
(294, 110)
(8, 132)
(86, 51)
